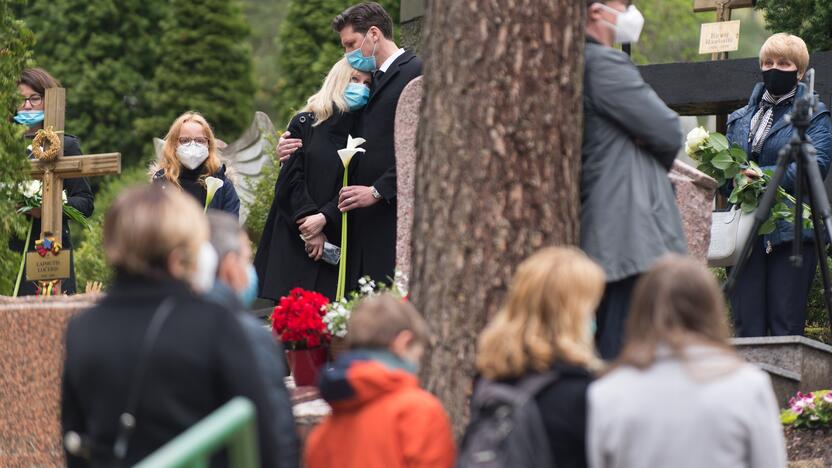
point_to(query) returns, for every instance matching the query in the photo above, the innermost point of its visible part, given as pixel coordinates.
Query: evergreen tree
(103, 52)
(16, 42)
(204, 65)
(809, 19)
(307, 49)
(265, 17)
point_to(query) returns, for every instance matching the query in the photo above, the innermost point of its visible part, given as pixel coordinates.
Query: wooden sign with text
(723, 36)
(49, 267)
(713, 5)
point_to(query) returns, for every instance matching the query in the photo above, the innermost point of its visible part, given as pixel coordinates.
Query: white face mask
(192, 154)
(206, 269)
(630, 24)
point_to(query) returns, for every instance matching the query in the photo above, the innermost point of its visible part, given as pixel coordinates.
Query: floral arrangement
(811, 410)
(31, 196)
(298, 319)
(723, 161)
(338, 312)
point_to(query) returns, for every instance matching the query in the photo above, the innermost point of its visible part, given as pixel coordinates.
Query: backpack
(506, 428)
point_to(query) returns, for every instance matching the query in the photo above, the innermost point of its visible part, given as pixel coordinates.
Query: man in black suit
(366, 32)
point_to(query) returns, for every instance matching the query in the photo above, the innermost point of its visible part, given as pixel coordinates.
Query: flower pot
(306, 364)
(337, 347)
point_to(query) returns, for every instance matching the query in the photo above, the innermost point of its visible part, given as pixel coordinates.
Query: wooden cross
(54, 172)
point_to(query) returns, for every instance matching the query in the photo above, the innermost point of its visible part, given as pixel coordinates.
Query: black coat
(309, 183)
(201, 359)
(79, 196)
(372, 230)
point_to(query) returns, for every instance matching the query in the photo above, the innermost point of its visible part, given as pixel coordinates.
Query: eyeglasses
(197, 140)
(35, 100)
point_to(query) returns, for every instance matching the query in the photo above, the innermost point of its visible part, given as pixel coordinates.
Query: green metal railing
(233, 425)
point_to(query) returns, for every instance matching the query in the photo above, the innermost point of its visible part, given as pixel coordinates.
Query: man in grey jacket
(629, 216)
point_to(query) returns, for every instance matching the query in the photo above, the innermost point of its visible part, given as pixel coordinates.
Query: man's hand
(311, 225)
(34, 212)
(315, 246)
(356, 196)
(287, 146)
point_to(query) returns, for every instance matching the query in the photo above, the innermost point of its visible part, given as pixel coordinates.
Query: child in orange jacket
(381, 418)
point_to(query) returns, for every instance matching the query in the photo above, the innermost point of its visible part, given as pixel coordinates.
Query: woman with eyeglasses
(189, 157)
(32, 87)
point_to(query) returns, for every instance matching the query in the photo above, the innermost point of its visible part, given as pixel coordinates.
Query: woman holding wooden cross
(32, 87)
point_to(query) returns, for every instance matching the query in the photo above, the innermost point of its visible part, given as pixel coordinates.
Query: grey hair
(225, 233)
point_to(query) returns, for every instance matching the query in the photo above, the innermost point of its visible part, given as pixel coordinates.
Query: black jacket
(563, 406)
(226, 198)
(201, 360)
(309, 183)
(79, 196)
(372, 230)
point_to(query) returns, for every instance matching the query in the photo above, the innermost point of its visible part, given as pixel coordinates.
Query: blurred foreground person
(236, 289)
(538, 349)
(153, 347)
(679, 395)
(380, 417)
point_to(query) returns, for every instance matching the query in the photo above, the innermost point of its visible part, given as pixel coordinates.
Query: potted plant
(297, 321)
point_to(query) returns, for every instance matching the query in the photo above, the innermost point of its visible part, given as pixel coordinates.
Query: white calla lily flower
(350, 151)
(212, 184)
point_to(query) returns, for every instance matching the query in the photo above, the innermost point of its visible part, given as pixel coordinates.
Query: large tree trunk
(498, 166)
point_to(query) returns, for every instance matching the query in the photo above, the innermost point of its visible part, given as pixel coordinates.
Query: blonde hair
(377, 321)
(546, 317)
(146, 224)
(331, 92)
(787, 46)
(676, 304)
(170, 163)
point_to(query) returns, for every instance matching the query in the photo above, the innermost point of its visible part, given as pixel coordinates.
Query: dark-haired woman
(32, 88)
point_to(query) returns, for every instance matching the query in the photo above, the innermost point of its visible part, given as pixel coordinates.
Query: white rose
(696, 137)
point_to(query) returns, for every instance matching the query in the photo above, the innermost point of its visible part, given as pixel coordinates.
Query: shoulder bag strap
(127, 420)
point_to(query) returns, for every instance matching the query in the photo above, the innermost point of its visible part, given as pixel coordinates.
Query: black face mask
(779, 82)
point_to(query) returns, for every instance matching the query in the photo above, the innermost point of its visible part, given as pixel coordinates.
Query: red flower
(298, 319)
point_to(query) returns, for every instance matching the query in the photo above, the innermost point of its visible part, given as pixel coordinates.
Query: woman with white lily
(304, 216)
(191, 162)
(32, 87)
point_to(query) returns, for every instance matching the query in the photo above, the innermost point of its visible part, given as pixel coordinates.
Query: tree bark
(497, 173)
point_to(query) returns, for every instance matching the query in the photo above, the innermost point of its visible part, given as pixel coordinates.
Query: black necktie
(377, 77)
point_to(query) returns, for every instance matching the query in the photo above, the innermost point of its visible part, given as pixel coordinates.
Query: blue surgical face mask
(357, 95)
(249, 294)
(29, 118)
(358, 61)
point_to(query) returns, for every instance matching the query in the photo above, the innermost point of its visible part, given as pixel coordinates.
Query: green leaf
(718, 142)
(723, 160)
(748, 206)
(738, 154)
(767, 227)
(732, 171)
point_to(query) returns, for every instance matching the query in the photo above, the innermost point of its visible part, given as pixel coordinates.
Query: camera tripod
(808, 180)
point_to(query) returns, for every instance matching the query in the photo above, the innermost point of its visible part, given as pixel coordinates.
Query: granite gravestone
(31, 361)
(407, 126)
